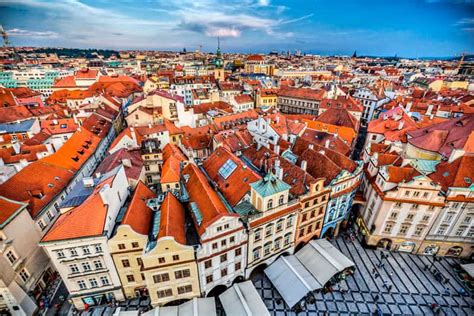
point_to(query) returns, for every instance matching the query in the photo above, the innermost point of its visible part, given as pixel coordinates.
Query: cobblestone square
(413, 289)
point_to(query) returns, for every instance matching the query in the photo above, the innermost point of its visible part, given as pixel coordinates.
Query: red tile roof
(236, 186)
(458, 174)
(302, 93)
(27, 152)
(8, 208)
(206, 199)
(172, 223)
(138, 215)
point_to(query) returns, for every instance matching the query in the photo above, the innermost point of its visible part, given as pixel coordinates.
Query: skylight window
(226, 170)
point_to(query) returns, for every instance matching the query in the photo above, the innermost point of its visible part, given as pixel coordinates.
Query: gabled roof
(322, 138)
(8, 208)
(339, 117)
(401, 174)
(14, 113)
(138, 215)
(236, 185)
(302, 93)
(170, 171)
(122, 157)
(172, 219)
(209, 206)
(458, 174)
(85, 220)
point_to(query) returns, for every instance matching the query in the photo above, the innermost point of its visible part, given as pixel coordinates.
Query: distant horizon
(408, 28)
(293, 52)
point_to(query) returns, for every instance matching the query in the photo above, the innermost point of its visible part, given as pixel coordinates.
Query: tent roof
(242, 299)
(195, 307)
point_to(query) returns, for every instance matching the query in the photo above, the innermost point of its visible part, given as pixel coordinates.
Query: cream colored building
(169, 264)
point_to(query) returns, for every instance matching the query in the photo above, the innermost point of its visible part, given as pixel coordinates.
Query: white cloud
(264, 3)
(32, 34)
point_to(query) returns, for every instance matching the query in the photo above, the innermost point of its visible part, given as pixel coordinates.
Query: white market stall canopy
(323, 260)
(469, 268)
(242, 299)
(195, 307)
(308, 270)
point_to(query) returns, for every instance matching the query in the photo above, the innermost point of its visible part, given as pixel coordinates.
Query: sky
(408, 28)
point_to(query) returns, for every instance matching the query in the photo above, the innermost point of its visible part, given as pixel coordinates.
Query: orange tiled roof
(8, 208)
(170, 171)
(172, 222)
(138, 215)
(85, 220)
(206, 199)
(236, 186)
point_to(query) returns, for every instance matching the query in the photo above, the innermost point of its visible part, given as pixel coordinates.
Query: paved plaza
(413, 289)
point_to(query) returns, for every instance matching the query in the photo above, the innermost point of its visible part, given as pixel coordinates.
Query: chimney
(127, 163)
(277, 149)
(304, 164)
(310, 146)
(16, 147)
(278, 169)
(88, 182)
(400, 125)
(327, 143)
(277, 119)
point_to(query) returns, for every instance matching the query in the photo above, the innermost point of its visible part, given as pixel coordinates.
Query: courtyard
(413, 289)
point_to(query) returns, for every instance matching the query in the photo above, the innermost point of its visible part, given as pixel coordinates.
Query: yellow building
(169, 265)
(129, 241)
(267, 98)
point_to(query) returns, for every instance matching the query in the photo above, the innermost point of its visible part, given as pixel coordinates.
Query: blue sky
(373, 27)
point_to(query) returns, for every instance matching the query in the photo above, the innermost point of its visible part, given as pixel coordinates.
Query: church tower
(219, 63)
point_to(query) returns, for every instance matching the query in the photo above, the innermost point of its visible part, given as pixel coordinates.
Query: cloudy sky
(374, 27)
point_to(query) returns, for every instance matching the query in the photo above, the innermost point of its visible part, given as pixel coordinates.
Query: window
(139, 261)
(86, 266)
(214, 246)
(223, 258)
(403, 229)
(410, 217)
(86, 250)
(219, 228)
(460, 231)
(393, 215)
(41, 224)
(130, 278)
(425, 195)
(418, 230)
(467, 219)
(278, 243)
(163, 277)
(98, 264)
(73, 267)
(281, 199)
(425, 218)
(268, 230)
(287, 239)
(185, 289)
(270, 204)
(161, 260)
(125, 263)
(24, 275)
(223, 242)
(135, 245)
(93, 283)
(121, 246)
(104, 280)
(232, 239)
(414, 206)
(416, 194)
(256, 253)
(237, 266)
(175, 257)
(224, 272)
(182, 274)
(11, 257)
(73, 252)
(81, 284)
(441, 230)
(301, 233)
(304, 218)
(60, 254)
(207, 264)
(164, 293)
(279, 225)
(209, 279)
(238, 252)
(98, 248)
(226, 226)
(289, 221)
(266, 248)
(258, 235)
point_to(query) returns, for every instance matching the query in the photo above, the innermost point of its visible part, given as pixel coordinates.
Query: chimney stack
(304, 164)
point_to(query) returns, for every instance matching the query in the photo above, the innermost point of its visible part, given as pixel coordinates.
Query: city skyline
(409, 29)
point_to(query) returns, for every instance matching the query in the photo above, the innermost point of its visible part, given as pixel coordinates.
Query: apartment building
(300, 100)
(77, 244)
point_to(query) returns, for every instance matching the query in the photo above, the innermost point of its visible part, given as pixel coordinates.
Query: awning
(469, 268)
(195, 307)
(292, 280)
(323, 260)
(242, 299)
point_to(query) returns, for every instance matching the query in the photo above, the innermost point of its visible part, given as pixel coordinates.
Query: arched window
(281, 199)
(266, 248)
(256, 253)
(270, 204)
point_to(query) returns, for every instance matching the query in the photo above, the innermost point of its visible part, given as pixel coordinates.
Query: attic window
(75, 158)
(468, 180)
(56, 178)
(63, 125)
(445, 174)
(80, 152)
(50, 185)
(226, 170)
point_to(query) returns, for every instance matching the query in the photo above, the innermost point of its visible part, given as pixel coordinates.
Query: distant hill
(74, 52)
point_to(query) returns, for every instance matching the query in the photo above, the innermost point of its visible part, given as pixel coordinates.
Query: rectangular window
(161, 260)
(223, 258)
(11, 257)
(98, 264)
(214, 246)
(24, 275)
(158, 278)
(237, 266)
(73, 268)
(130, 278)
(224, 272)
(238, 252)
(86, 266)
(121, 246)
(207, 264)
(223, 242)
(93, 283)
(175, 257)
(164, 293)
(182, 274)
(232, 239)
(86, 250)
(209, 279)
(81, 284)
(135, 245)
(185, 289)
(98, 248)
(125, 263)
(104, 280)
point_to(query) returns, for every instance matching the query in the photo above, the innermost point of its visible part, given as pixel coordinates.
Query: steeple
(218, 47)
(355, 54)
